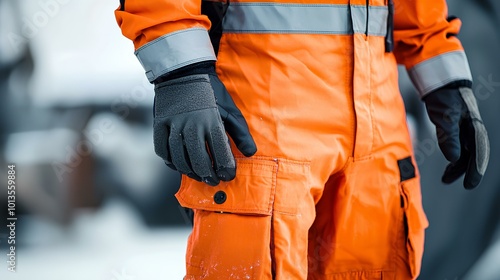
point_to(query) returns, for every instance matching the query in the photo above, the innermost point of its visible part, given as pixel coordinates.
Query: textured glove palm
(191, 115)
(461, 134)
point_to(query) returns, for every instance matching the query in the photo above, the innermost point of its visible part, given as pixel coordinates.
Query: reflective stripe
(377, 20)
(440, 70)
(304, 19)
(174, 51)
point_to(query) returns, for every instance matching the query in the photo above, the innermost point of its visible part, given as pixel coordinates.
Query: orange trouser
(330, 194)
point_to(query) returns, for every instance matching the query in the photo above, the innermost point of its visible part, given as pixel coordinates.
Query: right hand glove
(461, 133)
(191, 115)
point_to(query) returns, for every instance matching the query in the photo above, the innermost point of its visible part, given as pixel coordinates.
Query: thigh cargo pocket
(416, 221)
(233, 229)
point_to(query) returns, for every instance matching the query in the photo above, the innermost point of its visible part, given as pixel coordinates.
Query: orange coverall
(333, 191)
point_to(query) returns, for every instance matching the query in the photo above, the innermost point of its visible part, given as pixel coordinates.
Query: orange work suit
(333, 191)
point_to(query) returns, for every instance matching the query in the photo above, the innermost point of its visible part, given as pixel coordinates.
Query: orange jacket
(422, 33)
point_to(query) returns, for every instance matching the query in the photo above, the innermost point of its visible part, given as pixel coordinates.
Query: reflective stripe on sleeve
(304, 19)
(440, 70)
(174, 51)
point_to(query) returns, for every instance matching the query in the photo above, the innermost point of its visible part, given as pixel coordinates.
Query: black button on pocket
(220, 197)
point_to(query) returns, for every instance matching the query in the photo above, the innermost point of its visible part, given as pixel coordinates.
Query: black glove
(191, 114)
(461, 133)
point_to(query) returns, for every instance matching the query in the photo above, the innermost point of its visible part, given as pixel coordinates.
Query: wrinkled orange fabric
(322, 198)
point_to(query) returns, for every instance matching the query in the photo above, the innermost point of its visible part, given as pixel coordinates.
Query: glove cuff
(199, 68)
(453, 85)
(185, 94)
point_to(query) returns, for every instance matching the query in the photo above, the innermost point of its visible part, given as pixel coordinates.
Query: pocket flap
(414, 210)
(251, 192)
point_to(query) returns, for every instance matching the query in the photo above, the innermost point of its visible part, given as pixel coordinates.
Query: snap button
(220, 197)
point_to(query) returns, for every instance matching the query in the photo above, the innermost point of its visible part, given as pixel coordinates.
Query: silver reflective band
(440, 70)
(304, 19)
(174, 51)
(377, 20)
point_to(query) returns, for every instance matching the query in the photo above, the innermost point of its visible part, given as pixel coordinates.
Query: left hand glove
(461, 134)
(192, 113)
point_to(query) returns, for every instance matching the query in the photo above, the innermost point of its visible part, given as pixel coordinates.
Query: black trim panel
(406, 169)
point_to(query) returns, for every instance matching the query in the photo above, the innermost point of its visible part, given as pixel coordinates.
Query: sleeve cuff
(440, 70)
(175, 50)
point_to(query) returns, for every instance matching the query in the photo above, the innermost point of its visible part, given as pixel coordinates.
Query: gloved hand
(191, 115)
(461, 133)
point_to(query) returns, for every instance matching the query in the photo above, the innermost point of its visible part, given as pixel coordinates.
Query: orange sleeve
(143, 21)
(426, 43)
(167, 34)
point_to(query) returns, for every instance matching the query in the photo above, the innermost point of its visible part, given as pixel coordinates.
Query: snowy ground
(110, 244)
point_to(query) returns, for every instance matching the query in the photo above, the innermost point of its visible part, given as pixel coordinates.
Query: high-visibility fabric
(326, 195)
(172, 37)
(175, 50)
(423, 32)
(304, 19)
(436, 72)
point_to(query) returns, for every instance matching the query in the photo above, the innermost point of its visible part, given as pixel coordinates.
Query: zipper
(367, 17)
(353, 105)
(389, 36)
